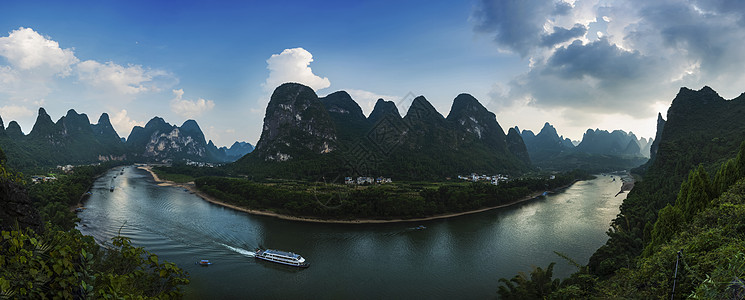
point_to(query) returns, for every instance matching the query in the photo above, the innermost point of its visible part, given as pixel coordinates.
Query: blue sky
(576, 64)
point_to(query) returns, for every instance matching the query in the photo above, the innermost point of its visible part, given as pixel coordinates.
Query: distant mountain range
(548, 143)
(598, 150)
(306, 136)
(74, 140)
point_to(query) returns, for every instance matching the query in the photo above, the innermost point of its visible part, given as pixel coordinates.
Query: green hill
(305, 137)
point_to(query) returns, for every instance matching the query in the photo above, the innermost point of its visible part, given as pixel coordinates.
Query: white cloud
(129, 80)
(189, 108)
(35, 66)
(122, 123)
(8, 79)
(27, 50)
(14, 112)
(293, 65)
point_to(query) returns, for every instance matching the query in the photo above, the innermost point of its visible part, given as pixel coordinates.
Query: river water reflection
(460, 257)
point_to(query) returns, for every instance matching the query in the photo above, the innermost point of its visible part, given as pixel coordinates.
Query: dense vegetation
(702, 233)
(387, 201)
(182, 173)
(686, 212)
(67, 265)
(702, 129)
(46, 257)
(54, 199)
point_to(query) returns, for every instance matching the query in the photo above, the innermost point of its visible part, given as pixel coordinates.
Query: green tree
(669, 221)
(539, 286)
(695, 194)
(726, 176)
(68, 265)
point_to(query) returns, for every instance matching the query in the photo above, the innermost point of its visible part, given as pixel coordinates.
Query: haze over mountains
(74, 140)
(547, 147)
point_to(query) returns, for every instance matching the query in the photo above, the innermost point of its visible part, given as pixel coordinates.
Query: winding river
(460, 257)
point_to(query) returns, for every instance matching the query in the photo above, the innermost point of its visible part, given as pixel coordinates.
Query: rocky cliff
(296, 124)
(161, 141)
(516, 145)
(304, 136)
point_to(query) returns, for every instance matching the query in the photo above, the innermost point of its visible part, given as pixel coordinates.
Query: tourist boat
(204, 262)
(281, 257)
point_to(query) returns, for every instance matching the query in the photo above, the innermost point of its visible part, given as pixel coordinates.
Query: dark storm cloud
(600, 60)
(598, 76)
(516, 25)
(561, 35)
(711, 33)
(734, 8)
(645, 49)
(562, 8)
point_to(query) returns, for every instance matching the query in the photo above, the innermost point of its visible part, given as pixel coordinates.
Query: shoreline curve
(193, 189)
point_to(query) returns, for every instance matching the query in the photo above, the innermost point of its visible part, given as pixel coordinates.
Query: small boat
(111, 188)
(204, 262)
(79, 209)
(281, 257)
(420, 227)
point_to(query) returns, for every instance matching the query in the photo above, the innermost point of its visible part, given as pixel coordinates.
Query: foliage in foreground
(68, 265)
(58, 262)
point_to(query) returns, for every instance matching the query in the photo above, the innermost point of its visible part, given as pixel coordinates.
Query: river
(459, 257)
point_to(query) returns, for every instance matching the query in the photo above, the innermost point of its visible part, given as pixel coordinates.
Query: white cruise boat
(281, 257)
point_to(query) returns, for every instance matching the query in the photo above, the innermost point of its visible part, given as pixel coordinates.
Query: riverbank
(193, 189)
(78, 206)
(627, 183)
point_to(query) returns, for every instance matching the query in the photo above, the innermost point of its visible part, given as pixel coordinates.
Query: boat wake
(240, 251)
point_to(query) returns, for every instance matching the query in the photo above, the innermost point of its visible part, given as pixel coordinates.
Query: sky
(576, 64)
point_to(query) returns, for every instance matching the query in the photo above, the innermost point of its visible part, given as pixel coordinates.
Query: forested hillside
(689, 200)
(43, 256)
(696, 248)
(311, 138)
